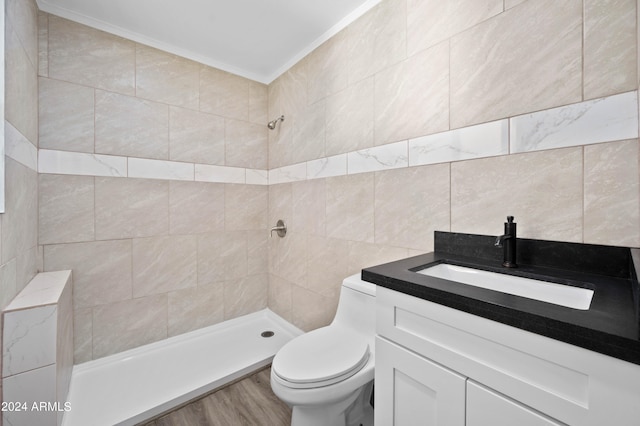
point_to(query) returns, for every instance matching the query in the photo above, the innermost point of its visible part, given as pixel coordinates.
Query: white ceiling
(257, 39)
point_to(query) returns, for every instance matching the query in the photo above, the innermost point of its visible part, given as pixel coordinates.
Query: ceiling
(257, 39)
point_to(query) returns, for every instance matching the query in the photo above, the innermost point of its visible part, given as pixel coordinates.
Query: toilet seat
(320, 358)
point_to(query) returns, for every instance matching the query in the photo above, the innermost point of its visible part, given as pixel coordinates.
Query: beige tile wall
(150, 258)
(416, 67)
(155, 258)
(19, 259)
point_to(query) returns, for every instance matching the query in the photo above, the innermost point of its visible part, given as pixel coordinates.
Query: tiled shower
(159, 178)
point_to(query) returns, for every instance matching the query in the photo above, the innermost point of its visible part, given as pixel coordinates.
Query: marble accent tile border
(80, 163)
(18, 147)
(482, 140)
(600, 120)
(594, 121)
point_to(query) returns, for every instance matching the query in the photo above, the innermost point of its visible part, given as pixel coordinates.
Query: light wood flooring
(248, 402)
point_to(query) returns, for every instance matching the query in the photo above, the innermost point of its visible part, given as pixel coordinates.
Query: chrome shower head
(272, 124)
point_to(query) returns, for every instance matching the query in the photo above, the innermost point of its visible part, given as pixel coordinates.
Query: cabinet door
(486, 407)
(411, 390)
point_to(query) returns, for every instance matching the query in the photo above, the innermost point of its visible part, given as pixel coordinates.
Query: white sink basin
(558, 294)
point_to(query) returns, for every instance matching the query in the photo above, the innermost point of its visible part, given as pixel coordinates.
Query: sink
(558, 294)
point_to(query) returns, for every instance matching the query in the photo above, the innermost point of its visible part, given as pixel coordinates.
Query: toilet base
(355, 410)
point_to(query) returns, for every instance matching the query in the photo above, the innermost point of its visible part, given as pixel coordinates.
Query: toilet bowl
(326, 375)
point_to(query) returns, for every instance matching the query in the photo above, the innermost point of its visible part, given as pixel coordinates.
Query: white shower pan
(132, 386)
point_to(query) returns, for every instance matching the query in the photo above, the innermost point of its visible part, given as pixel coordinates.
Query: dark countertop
(611, 326)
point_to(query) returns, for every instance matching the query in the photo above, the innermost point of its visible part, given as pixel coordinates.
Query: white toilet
(326, 375)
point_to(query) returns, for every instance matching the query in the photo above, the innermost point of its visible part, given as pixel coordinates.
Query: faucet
(508, 242)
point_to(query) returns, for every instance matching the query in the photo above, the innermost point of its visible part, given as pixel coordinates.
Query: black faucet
(508, 242)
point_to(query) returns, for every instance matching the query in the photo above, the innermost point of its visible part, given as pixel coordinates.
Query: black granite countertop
(610, 326)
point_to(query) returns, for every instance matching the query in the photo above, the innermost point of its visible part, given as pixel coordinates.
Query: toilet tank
(357, 305)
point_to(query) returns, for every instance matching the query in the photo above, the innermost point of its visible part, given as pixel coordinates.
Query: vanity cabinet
(440, 366)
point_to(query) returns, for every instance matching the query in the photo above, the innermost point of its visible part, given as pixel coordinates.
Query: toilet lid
(322, 357)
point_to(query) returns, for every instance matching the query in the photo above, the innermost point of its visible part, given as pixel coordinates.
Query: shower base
(133, 386)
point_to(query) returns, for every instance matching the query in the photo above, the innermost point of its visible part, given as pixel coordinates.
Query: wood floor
(248, 402)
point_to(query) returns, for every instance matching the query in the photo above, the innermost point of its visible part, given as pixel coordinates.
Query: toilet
(326, 375)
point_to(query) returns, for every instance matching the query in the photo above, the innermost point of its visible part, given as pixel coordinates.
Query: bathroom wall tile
(335, 165)
(293, 90)
(328, 265)
(195, 137)
(543, 190)
(279, 296)
(410, 204)
(23, 16)
(257, 177)
(20, 219)
(292, 173)
(21, 87)
(488, 81)
(612, 193)
(289, 256)
(224, 94)
(245, 207)
(164, 264)
(343, 220)
(327, 71)
(610, 47)
(26, 266)
(257, 252)
(222, 256)
(246, 144)
(378, 39)
(166, 78)
(129, 324)
(508, 4)
(101, 270)
(350, 118)
(245, 296)
(7, 282)
(66, 116)
(429, 21)
(194, 308)
(309, 206)
(221, 174)
(158, 169)
(195, 207)
(280, 140)
(83, 55)
(482, 140)
(281, 205)
(30, 387)
(363, 255)
(43, 44)
(600, 120)
(82, 335)
(311, 310)
(412, 97)
(390, 156)
(18, 148)
(128, 208)
(131, 126)
(66, 206)
(78, 163)
(258, 103)
(309, 133)
(29, 339)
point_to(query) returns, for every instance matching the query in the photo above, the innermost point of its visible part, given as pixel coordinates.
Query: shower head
(272, 124)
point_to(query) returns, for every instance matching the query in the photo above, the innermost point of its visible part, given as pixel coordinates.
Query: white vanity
(448, 354)
(440, 366)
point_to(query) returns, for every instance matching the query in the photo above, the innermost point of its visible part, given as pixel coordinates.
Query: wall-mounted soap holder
(280, 228)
